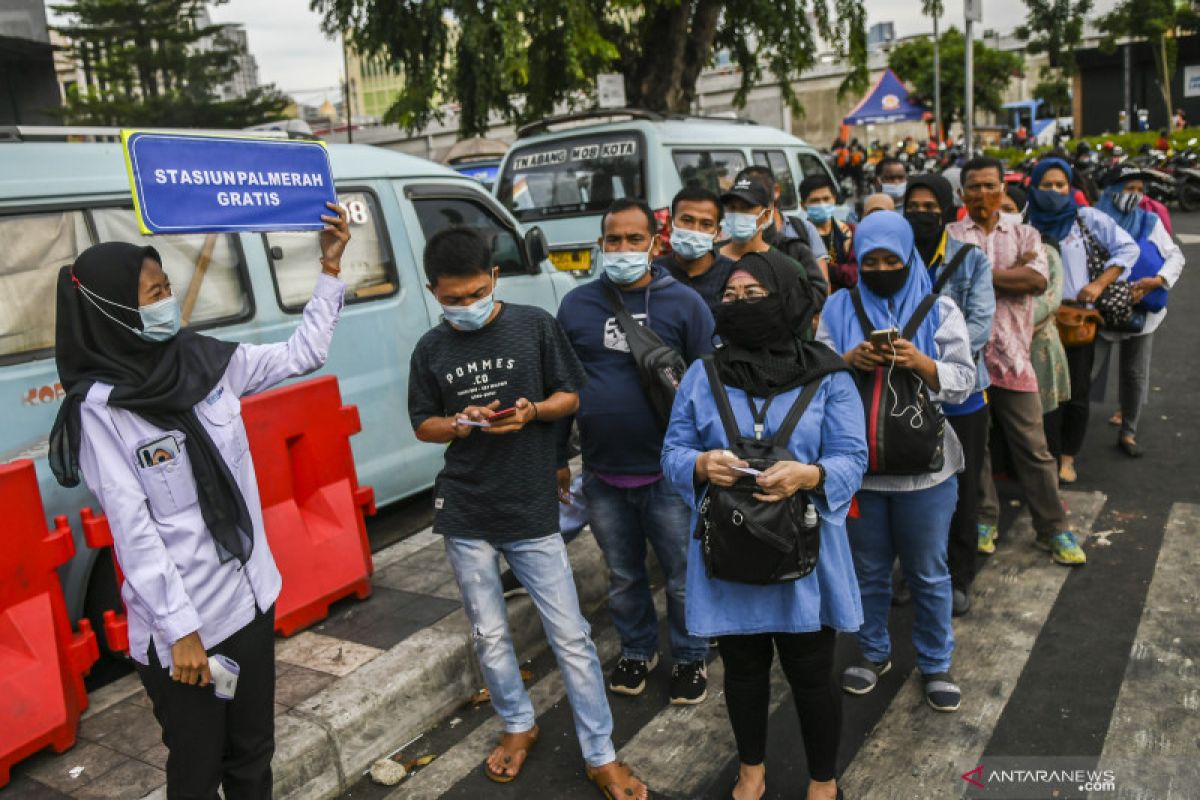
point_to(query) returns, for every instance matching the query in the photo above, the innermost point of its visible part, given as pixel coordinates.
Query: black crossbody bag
(746, 540)
(660, 366)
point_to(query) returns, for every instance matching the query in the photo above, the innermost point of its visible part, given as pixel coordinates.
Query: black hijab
(924, 235)
(159, 381)
(767, 347)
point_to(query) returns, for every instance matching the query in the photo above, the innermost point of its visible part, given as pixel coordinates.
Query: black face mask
(927, 231)
(752, 325)
(884, 282)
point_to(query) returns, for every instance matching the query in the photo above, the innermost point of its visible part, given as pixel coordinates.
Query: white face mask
(1012, 217)
(161, 321)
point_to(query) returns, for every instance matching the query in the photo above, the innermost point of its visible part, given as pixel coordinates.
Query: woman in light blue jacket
(764, 319)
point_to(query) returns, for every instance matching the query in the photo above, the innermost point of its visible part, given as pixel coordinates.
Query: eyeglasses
(751, 295)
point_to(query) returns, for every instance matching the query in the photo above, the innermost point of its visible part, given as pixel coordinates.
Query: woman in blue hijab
(1157, 270)
(1082, 234)
(903, 515)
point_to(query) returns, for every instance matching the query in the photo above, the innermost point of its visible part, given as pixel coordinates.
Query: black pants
(212, 742)
(972, 432)
(807, 661)
(1067, 425)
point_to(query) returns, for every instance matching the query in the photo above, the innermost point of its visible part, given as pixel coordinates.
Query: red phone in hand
(502, 414)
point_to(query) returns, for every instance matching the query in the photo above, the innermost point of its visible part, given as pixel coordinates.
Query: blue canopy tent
(886, 102)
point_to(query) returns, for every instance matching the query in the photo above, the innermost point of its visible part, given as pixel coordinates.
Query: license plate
(571, 260)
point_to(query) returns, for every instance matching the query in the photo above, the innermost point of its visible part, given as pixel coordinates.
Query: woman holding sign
(152, 423)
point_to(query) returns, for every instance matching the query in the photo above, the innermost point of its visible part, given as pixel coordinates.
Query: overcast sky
(285, 36)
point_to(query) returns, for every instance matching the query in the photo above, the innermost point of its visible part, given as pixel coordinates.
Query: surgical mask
(472, 317)
(1012, 217)
(741, 227)
(884, 282)
(1128, 201)
(819, 214)
(691, 245)
(894, 190)
(161, 321)
(626, 266)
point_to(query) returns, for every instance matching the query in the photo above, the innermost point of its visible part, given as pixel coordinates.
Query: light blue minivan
(57, 198)
(563, 172)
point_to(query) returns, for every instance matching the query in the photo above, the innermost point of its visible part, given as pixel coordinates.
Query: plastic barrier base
(312, 504)
(42, 660)
(98, 536)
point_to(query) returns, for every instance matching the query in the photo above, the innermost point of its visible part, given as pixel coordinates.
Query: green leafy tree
(1055, 27)
(522, 58)
(1161, 23)
(152, 62)
(913, 62)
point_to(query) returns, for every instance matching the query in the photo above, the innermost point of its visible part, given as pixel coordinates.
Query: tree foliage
(524, 58)
(1160, 22)
(913, 62)
(1055, 27)
(152, 62)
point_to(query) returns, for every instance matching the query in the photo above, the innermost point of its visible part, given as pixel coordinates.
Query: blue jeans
(913, 526)
(623, 520)
(544, 570)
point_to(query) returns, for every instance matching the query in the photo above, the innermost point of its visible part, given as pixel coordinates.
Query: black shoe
(629, 676)
(689, 683)
(1129, 448)
(942, 692)
(863, 676)
(962, 603)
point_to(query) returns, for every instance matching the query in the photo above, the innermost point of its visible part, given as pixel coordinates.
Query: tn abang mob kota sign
(198, 183)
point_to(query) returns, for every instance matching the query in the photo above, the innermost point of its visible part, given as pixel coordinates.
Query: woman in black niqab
(96, 340)
(767, 345)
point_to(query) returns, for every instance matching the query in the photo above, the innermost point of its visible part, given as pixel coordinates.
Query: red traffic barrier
(42, 661)
(98, 536)
(312, 504)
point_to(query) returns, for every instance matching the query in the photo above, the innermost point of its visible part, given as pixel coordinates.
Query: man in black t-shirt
(489, 381)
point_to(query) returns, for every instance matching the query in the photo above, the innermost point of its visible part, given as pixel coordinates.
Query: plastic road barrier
(313, 507)
(98, 535)
(42, 660)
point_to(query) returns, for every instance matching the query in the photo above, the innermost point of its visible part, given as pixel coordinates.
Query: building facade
(29, 89)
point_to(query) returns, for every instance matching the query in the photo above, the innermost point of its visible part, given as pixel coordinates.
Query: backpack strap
(780, 439)
(625, 321)
(728, 421)
(914, 322)
(951, 267)
(860, 311)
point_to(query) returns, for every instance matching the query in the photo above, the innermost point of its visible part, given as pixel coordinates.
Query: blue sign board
(196, 183)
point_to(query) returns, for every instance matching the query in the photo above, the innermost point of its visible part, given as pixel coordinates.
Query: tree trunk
(678, 41)
(1164, 72)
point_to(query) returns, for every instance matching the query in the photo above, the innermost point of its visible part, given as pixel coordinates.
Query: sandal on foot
(1129, 447)
(617, 781)
(516, 747)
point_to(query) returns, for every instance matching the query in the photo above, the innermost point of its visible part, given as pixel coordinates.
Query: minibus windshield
(573, 177)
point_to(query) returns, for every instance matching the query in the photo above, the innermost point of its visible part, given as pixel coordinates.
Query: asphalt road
(1063, 701)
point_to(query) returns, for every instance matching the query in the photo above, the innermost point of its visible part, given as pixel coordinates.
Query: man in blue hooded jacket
(629, 503)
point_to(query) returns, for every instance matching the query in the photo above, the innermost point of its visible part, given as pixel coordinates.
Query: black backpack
(746, 540)
(660, 366)
(905, 429)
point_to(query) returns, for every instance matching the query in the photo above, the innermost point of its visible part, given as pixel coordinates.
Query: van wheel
(102, 595)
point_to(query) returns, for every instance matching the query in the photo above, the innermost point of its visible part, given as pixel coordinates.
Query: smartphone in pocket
(159, 451)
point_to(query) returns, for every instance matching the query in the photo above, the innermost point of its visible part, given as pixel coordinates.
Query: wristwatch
(820, 485)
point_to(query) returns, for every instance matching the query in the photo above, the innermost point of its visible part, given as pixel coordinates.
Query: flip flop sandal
(527, 740)
(627, 777)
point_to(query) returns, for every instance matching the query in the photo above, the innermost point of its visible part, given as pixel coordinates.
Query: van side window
(205, 269)
(710, 169)
(777, 162)
(367, 267)
(35, 247)
(811, 165)
(436, 213)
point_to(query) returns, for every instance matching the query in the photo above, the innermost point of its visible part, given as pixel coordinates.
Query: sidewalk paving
(349, 690)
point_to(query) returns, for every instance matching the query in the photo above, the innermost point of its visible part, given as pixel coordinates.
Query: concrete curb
(325, 744)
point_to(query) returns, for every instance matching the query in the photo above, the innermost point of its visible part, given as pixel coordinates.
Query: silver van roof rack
(608, 114)
(26, 133)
